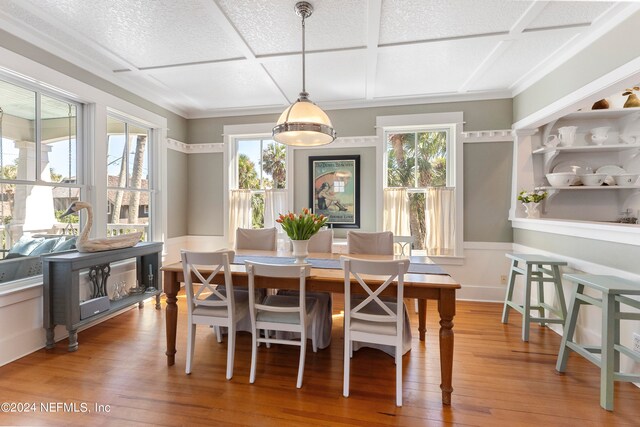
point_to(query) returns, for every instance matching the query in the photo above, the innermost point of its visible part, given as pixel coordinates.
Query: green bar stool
(540, 269)
(614, 292)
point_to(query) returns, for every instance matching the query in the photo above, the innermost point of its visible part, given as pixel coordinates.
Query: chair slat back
(301, 271)
(194, 263)
(393, 271)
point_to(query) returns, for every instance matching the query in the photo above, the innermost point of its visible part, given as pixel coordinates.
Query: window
(423, 153)
(417, 160)
(39, 176)
(128, 190)
(261, 165)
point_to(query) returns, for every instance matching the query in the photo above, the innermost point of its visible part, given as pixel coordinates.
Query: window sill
(20, 290)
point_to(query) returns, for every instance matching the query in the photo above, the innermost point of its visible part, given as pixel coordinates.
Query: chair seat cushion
(384, 328)
(284, 301)
(241, 300)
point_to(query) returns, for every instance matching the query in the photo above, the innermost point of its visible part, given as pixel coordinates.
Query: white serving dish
(593, 179)
(561, 179)
(626, 179)
(611, 170)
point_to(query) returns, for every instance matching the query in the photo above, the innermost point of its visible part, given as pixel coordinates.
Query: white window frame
(234, 133)
(455, 167)
(151, 182)
(90, 163)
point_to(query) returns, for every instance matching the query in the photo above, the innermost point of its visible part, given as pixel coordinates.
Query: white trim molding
(618, 233)
(505, 135)
(349, 142)
(214, 147)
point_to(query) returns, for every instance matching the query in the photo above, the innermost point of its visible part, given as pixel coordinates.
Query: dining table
(327, 276)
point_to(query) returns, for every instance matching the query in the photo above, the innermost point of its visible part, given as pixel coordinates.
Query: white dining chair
(259, 239)
(372, 319)
(286, 313)
(321, 242)
(404, 244)
(209, 305)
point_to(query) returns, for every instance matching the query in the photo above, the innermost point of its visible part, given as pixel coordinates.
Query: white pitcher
(567, 135)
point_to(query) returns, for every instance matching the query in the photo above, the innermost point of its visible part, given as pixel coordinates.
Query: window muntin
(418, 159)
(128, 189)
(261, 165)
(39, 176)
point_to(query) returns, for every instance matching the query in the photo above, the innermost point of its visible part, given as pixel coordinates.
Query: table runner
(418, 268)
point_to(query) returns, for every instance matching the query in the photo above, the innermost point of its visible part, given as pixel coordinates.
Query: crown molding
(347, 142)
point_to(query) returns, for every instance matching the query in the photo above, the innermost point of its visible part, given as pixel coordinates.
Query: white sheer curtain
(275, 203)
(396, 213)
(239, 212)
(441, 221)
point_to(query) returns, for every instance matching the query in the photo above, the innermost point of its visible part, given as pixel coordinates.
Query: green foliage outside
(274, 164)
(417, 160)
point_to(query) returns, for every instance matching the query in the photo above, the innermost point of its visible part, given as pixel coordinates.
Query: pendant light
(303, 123)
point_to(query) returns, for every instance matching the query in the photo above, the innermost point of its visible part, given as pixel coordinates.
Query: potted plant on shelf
(300, 227)
(531, 201)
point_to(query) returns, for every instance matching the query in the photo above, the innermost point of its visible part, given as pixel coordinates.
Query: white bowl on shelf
(626, 179)
(561, 179)
(593, 179)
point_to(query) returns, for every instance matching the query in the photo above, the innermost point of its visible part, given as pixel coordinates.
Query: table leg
(447, 309)
(422, 318)
(171, 288)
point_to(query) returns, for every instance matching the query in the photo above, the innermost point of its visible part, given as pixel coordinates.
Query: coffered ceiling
(204, 58)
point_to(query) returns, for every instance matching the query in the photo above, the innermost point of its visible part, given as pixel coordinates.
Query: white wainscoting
(589, 326)
(21, 315)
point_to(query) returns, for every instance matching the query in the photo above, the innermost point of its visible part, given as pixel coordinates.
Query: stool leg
(509, 296)
(541, 312)
(569, 329)
(557, 280)
(607, 361)
(526, 315)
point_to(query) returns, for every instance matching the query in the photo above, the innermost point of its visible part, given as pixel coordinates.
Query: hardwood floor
(498, 380)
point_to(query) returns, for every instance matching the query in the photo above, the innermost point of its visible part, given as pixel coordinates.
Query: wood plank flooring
(498, 380)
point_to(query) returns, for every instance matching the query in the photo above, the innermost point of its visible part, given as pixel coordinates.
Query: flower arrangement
(535, 196)
(303, 225)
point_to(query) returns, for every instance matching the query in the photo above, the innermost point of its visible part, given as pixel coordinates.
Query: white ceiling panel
(519, 59)
(60, 35)
(272, 26)
(214, 86)
(428, 68)
(410, 20)
(568, 13)
(144, 32)
(335, 76)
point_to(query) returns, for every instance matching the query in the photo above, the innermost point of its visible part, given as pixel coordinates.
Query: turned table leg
(447, 309)
(422, 318)
(171, 288)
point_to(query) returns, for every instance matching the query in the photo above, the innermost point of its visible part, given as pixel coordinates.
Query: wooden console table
(61, 275)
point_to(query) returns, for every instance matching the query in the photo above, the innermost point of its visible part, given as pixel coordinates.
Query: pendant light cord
(304, 90)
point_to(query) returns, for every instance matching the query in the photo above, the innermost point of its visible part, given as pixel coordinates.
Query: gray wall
(177, 193)
(487, 192)
(487, 165)
(615, 255)
(177, 124)
(478, 115)
(609, 52)
(368, 213)
(205, 215)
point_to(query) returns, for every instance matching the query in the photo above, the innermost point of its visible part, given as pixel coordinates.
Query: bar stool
(614, 291)
(539, 269)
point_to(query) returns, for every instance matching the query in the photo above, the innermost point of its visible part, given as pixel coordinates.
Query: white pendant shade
(304, 124)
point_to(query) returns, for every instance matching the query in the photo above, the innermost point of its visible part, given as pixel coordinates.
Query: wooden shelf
(587, 148)
(591, 187)
(613, 113)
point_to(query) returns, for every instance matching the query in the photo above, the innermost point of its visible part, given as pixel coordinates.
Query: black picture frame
(334, 189)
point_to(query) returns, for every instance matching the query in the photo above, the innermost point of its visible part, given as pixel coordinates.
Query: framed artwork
(334, 189)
